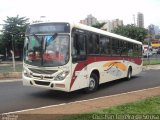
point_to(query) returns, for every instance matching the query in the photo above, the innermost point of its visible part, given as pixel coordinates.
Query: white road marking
(35, 108)
(80, 101)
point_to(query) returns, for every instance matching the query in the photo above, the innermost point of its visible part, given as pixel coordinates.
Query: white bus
(68, 57)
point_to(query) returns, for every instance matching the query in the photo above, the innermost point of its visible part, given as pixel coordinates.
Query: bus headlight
(62, 75)
(26, 73)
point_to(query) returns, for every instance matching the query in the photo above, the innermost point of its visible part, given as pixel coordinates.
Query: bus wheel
(129, 74)
(93, 83)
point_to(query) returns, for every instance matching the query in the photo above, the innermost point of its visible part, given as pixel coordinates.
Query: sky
(76, 10)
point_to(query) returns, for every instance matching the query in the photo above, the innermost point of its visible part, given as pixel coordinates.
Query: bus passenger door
(79, 59)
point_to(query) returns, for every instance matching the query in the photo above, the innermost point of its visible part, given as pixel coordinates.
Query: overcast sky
(75, 10)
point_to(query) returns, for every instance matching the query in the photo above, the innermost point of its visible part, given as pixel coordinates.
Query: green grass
(9, 68)
(151, 62)
(145, 108)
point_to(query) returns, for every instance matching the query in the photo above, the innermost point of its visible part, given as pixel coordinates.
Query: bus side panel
(136, 69)
(79, 77)
(108, 71)
(114, 69)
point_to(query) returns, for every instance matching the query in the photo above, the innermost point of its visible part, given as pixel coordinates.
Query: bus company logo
(115, 68)
(42, 77)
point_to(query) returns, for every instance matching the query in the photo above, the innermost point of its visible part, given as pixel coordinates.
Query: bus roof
(88, 28)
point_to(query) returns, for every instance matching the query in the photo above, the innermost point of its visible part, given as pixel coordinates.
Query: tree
(99, 25)
(131, 31)
(157, 37)
(13, 34)
(2, 45)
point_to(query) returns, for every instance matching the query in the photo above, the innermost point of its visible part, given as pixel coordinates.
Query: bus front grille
(42, 83)
(38, 71)
(42, 77)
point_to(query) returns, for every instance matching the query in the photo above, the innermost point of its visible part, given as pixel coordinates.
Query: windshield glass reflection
(46, 50)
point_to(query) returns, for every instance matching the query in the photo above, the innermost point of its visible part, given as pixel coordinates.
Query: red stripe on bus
(78, 67)
(92, 59)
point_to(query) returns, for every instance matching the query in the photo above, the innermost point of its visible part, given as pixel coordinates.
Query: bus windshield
(46, 50)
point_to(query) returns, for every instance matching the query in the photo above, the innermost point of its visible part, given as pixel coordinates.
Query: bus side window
(115, 48)
(105, 45)
(130, 49)
(96, 46)
(76, 48)
(79, 47)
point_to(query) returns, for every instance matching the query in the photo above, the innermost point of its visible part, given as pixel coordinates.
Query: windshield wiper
(52, 37)
(41, 46)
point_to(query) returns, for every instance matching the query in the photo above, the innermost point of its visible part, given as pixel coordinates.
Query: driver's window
(79, 46)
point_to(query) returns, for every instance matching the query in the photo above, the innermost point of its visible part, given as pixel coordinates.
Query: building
(111, 25)
(116, 23)
(89, 20)
(82, 21)
(151, 31)
(157, 30)
(140, 20)
(107, 26)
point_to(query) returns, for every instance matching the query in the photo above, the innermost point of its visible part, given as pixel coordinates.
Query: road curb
(11, 75)
(151, 67)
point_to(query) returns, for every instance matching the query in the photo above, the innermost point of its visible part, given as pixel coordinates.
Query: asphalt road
(15, 97)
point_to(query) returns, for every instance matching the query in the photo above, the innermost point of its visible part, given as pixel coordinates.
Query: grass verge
(148, 109)
(8, 67)
(151, 61)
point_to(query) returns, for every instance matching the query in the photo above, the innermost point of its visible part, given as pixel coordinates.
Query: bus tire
(129, 73)
(93, 83)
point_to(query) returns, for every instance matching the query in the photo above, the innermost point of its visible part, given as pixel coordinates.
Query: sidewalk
(59, 111)
(10, 76)
(151, 67)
